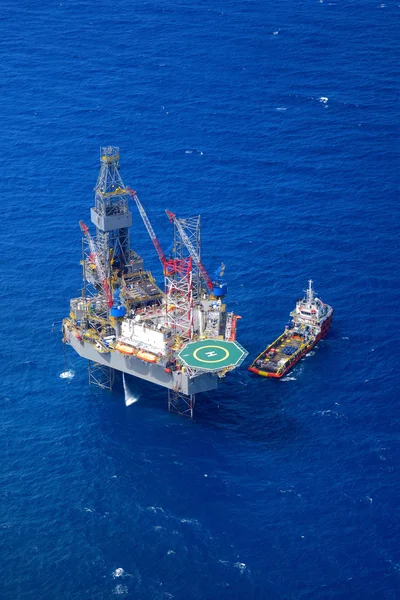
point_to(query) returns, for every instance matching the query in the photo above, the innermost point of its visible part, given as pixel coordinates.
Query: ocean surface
(278, 122)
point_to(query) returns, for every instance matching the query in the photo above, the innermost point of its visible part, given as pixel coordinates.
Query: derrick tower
(111, 214)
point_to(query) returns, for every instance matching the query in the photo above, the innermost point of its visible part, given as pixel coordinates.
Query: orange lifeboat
(147, 356)
(124, 348)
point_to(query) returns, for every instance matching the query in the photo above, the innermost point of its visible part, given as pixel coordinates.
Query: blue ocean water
(278, 122)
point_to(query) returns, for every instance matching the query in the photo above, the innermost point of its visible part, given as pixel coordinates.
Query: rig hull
(154, 373)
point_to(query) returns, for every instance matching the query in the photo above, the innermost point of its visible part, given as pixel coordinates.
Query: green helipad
(212, 355)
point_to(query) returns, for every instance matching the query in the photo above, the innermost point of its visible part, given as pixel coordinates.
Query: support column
(100, 375)
(182, 404)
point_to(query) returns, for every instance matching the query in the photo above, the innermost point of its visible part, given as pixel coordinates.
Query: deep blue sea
(278, 122)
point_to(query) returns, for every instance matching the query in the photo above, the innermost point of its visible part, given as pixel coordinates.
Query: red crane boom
(99, 267)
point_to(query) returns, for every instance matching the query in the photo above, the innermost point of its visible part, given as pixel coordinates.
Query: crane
(192, 250)
(149, 227)
(99, 267)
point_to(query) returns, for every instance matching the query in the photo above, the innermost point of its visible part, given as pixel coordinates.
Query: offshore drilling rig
(181, 337)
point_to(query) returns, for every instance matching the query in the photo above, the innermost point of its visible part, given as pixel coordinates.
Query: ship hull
(290, 363)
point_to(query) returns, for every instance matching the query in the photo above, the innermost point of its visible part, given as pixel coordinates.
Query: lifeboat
(147, 356)
(124, 348)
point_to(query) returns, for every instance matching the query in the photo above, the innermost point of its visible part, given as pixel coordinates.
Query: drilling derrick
(111, 214)
(181, 338)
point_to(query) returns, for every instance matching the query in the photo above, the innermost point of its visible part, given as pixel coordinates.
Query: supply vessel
(180, 336)
(310, 321)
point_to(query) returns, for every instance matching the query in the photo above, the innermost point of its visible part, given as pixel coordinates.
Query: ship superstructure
(310, 322)
(181, 337)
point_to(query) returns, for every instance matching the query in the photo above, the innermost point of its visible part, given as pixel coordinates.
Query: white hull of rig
(131, 365)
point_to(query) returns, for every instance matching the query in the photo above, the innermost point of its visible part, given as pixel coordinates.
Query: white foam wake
(129, 397)
(194, 151)
(241, 566)
(67, 374)
(119, 572)
(120, 590)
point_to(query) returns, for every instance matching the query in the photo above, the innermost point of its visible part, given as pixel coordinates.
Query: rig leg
(180, 403)
(101, 375)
